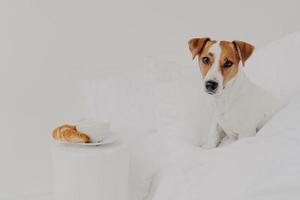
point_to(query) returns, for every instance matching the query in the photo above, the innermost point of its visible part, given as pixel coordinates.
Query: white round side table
(90, 173)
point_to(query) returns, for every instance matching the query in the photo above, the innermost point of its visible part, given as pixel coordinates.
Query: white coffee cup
(94, 128)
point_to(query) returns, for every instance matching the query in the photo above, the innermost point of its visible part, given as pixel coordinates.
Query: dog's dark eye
(227, 64)
(205, 60)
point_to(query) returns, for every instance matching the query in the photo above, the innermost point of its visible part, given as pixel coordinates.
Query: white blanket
(263, 167)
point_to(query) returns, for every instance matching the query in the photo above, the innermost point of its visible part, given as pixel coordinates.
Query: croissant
(70, 134)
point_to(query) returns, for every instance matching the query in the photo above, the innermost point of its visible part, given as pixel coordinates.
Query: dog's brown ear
(196, 45)
(243, 49)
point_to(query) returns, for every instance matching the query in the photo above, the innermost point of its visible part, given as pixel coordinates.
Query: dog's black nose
(211, 86)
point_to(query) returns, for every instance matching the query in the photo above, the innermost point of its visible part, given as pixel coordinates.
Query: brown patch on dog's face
(204, 67)
(229, 61)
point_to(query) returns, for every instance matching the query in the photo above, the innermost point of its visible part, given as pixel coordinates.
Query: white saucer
(107, 139)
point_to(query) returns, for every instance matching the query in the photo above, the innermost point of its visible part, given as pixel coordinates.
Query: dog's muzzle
(211, 86)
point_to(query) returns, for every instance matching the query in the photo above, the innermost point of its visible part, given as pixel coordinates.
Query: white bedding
(161, 113)
(263, 167)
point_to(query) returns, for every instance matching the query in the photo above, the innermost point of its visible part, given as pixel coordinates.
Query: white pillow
(155, 108)
(276, 67)
(161, 96)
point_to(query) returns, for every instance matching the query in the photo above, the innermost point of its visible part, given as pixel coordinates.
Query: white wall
(46, 46)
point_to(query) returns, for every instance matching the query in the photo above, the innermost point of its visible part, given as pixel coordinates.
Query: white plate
(107, 139)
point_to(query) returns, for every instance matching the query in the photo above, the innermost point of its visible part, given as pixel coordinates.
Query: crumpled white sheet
(263, 167)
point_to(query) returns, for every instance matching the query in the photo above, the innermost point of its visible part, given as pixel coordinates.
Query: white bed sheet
(263, 167)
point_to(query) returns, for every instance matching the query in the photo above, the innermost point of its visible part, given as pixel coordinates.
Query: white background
(47, 46)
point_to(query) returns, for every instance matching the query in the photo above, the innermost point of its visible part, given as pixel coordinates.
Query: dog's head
(219, 61)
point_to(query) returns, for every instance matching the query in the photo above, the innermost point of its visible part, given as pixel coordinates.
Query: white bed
(163, 116)
(263, 167)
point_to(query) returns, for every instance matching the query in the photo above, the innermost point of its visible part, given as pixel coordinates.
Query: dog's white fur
(240, 108)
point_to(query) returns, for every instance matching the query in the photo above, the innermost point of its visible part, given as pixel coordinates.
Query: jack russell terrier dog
(241, 108)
